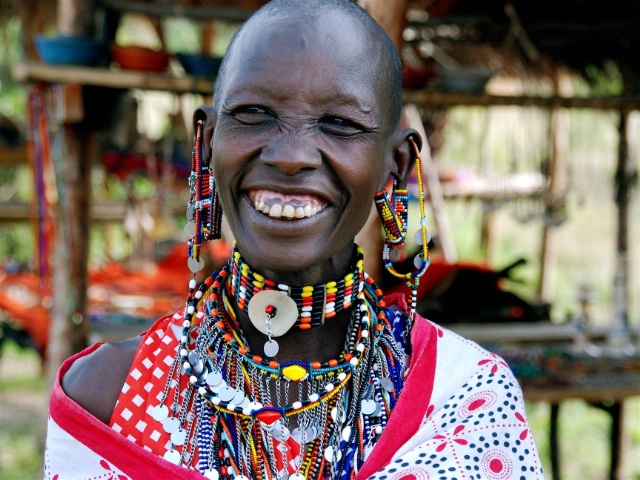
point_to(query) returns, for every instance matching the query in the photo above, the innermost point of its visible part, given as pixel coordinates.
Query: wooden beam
(456, 99)
(176, 9)
(124, 79)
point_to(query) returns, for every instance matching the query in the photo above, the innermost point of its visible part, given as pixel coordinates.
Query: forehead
(326, 55)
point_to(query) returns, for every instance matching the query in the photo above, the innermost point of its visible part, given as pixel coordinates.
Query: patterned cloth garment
(460, 416)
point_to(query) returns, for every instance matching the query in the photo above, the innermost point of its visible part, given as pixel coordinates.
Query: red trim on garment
(132, 460)
(414, 400)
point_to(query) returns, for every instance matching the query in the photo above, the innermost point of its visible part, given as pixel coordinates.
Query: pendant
(285, 315)
(271, 348)
(211, 474)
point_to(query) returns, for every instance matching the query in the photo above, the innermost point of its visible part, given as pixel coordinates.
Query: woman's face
(301, 143)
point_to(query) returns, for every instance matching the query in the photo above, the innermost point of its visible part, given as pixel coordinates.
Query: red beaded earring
(204, 213)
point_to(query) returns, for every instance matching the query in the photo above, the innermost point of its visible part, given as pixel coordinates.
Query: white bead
(231, 406)
(186, 324)
(365, 333)
(329, 387)
(215, 401)
(202, 390)
(198, 294)
(183, 352)
(313, 397)
(192, 284)
(378, 429)
(193, 379)
(334, 414)
(360, 347)
(186, 365)
(297, 405)
(190, 309)
(342, 376)
(354, 362)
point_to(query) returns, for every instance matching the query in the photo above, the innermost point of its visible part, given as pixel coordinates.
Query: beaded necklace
(236, 414)
(314, 303)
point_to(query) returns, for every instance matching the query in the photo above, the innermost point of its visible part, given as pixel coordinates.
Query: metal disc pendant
(297, 476)
(284, 318)
(172, 456)
(178, 436)
(271, 348)
(387, 384)
(211, 474)
(417, 262)
(160, 412)
(418, 236)
(189, 230)
(171, 424)
(368, 407)
(227, 394)
(213, 379)
(195, 265)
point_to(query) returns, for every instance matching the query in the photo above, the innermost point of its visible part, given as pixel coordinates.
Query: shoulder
(95, 380)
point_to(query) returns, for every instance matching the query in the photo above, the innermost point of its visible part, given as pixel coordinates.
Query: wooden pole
(557, 171)
(69, 326)
(625, 178)
(391, 15)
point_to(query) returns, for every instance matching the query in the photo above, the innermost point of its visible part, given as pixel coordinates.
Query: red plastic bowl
(135, 57)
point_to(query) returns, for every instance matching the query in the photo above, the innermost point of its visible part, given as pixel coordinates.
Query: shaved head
(388, 71)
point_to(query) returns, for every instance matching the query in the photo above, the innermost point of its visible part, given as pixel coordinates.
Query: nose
(291, 153)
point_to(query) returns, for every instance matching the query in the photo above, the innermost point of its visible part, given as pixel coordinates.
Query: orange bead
(316, 365)
(227, 337)
(257, 359)
(305, 326)
(333, 362)
(348, 356)
(220, 324)
(243, 350)
(273, 364)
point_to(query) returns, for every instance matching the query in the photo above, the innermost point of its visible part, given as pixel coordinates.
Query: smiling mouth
(284, 206)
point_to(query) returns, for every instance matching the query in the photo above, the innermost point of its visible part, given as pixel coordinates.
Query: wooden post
(69, 325)
(625, 177)
(557, 172)
(391, 15)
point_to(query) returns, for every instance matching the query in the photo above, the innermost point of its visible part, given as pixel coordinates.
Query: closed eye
(340, 126)
(251, 114)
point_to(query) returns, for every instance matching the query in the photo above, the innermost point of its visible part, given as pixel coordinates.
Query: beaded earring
(394, 222)
(204, 213)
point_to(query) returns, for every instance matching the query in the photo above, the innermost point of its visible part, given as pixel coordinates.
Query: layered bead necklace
(246, 417)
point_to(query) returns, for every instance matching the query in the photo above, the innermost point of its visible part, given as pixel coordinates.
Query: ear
(405, 143)
(206, 115)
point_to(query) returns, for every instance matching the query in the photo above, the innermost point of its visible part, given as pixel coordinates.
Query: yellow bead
(294, 372)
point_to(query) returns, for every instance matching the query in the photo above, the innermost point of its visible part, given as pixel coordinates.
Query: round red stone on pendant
(269, 416)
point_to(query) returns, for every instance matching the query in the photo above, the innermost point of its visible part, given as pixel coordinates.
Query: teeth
(276, 211)
(288, 211)
(291, 208)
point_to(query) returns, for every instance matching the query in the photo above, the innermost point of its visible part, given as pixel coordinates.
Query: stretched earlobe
(404, 155)
(206, 115)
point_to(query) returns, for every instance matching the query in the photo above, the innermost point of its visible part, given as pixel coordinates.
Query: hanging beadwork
(204, 213)
(243, 416)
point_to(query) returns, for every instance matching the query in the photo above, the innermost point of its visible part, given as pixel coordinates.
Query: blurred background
(531, 114)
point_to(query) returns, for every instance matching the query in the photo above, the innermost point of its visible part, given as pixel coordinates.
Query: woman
(289, 363)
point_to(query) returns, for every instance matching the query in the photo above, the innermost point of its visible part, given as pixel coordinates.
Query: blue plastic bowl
(201, 65)
(68, 50)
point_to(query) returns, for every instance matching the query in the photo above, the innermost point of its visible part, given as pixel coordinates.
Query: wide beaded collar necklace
(243, 416)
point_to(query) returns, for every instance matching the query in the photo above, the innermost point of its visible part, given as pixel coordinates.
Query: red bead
(269, 309)
(269, 416)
